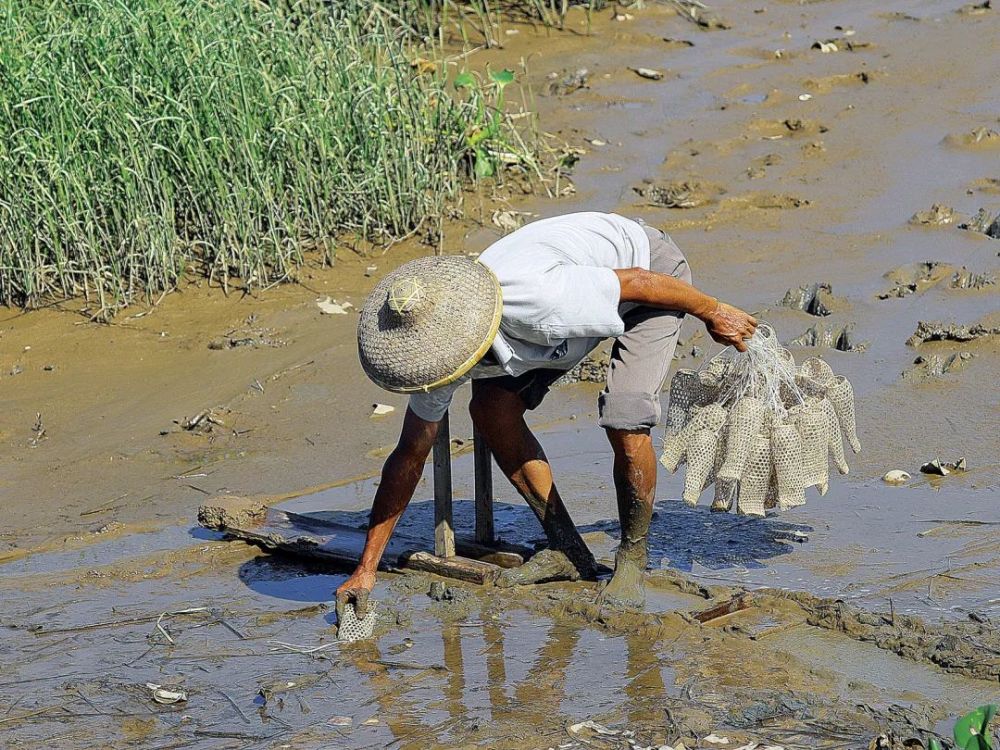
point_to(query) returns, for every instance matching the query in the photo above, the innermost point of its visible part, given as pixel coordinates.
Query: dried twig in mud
(287, 370)
(279, 645)
(246, 719)
(409, 665)
(104, 506)
(732, 605)
(29, 680)
(138, 620)
(236, 735)
(163, 631)
(30, 714)
(221, 620)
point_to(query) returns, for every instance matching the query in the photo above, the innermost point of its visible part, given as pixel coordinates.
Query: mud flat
(98, 450)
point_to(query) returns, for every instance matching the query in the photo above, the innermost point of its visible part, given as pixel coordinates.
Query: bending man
(532, 307)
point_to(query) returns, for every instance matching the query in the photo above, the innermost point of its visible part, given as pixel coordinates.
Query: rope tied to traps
(758, 426)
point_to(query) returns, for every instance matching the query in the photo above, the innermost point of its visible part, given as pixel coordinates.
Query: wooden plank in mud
(737, 603)
(317, 536)
(456, 566)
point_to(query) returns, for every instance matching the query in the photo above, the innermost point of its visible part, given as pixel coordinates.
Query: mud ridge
(969, 648)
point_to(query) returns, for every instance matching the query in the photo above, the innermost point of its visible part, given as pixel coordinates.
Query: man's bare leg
(499, 416)
(635, 485)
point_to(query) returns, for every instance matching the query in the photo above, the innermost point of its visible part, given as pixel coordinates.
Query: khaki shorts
(640, 357)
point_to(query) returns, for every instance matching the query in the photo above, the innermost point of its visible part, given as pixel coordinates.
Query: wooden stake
(484, 489)
(444, 530)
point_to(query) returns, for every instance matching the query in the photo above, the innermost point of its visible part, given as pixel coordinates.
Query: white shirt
(561, 296)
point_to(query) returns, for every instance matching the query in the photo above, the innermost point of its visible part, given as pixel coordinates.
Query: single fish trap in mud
(351, 629)
(758, 427)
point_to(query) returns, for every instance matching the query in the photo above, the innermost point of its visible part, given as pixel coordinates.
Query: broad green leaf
(484, 165)
(972, 731)
(502, 77)
(464, 80)
(933, 744)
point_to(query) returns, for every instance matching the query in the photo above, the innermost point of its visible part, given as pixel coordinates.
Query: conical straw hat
(428, 322)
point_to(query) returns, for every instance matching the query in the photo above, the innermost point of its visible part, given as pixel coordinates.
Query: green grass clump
(140, 137)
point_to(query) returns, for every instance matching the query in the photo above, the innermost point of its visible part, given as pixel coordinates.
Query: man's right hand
(730, 326)
(356, 590)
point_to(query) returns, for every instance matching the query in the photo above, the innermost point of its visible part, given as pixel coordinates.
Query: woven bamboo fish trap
(760, 428)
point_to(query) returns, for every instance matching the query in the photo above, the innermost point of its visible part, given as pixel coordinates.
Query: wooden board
(314, 537)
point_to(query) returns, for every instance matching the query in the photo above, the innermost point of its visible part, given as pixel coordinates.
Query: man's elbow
(633, 282)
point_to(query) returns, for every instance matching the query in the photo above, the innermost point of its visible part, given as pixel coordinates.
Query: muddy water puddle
(248, 637)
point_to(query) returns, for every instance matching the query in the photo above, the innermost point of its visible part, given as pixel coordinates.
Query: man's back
(557, 275)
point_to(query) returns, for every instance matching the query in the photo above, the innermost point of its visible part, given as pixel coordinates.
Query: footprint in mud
(938, 215)
(841, 339)
(816, 299)
(936, 331)
(826, 84)
(915, 277)
(790, 127)
(935, 366)
(986, 185)
(978, 138)
(919, 277)
(766, 201)
(680, 194)
(983, 222)
(975, 9)
(840, 44)
(758, 167)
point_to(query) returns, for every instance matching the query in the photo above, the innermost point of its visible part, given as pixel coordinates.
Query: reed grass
(144, 139)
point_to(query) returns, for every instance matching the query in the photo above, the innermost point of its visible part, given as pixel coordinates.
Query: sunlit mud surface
(249, 637)
(794, 166)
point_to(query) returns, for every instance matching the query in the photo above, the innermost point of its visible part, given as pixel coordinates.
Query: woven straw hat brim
(444, 336)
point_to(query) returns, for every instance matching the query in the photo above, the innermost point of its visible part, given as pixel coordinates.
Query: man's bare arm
(400, 474)
(726, 324)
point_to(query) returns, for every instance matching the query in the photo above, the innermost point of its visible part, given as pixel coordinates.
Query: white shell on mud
(167, 695)
(896, 476)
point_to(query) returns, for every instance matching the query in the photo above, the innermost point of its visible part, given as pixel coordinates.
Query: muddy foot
(547, 565)
(625, 590)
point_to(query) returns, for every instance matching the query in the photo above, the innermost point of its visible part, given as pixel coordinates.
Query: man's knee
(489, 407)
(628, 411)
(630, 444)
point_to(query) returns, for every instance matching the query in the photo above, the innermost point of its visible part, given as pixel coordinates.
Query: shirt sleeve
(432, 406)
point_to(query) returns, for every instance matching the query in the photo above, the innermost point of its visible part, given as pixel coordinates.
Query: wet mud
(807, 163)
(969, 648)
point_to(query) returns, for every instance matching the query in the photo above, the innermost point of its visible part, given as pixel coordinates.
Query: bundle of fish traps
(758, 427)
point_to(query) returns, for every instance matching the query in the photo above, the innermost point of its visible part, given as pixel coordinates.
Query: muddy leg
(499, 416)
(635, 485)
